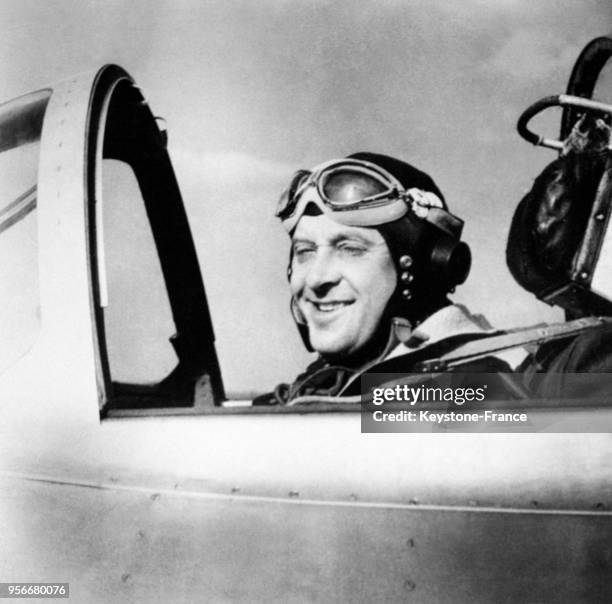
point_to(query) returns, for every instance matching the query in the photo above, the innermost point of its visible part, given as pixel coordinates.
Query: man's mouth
(331, 306)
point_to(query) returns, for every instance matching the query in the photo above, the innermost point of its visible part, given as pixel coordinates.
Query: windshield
(20, 128)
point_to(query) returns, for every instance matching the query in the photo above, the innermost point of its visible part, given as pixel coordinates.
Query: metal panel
(140, 546)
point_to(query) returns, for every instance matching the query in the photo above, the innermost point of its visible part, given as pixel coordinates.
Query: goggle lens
(346, 187)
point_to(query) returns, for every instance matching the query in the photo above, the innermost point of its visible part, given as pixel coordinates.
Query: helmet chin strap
(300, 322)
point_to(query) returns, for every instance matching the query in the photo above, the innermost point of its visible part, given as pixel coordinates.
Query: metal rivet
(407, 277)
(405, 261)
(599, 217)
(584, 275)
(406, 293)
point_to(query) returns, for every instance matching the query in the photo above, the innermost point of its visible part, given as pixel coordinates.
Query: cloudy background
(253, 90)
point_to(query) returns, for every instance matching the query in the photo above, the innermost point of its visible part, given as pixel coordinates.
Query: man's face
(342, 278)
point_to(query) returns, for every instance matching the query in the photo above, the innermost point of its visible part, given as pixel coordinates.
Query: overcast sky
(253, 90)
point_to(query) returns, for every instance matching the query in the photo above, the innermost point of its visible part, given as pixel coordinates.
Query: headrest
(551, 232)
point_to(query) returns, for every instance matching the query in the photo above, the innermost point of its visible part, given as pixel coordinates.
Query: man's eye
(302, 253)
(350, 249)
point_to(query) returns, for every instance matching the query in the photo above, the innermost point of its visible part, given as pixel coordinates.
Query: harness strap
(474, 350)
(520, 337)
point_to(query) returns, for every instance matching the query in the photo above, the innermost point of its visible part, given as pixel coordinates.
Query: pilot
(375, 253)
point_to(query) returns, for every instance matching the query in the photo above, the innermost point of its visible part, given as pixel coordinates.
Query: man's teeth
(329, 306)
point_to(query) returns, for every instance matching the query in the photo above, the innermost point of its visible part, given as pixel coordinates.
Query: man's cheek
(295, 286)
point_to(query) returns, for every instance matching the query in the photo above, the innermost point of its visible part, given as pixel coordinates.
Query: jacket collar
(453, 320)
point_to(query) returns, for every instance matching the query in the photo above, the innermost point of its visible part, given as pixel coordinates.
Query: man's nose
(323, 272)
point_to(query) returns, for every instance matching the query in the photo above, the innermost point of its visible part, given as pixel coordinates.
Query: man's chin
(329, 348)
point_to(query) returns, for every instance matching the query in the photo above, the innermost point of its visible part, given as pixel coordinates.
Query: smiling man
(341, 279)
(374, 255)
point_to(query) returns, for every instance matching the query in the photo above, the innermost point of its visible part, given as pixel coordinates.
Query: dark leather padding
(550, 221)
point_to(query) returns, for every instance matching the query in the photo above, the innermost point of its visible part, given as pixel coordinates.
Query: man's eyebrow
(351, 237)
(301, 240)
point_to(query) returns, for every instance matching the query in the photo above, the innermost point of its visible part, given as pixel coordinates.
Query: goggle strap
(445, 221)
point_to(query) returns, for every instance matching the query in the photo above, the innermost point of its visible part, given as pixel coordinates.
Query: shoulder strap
(484, 347)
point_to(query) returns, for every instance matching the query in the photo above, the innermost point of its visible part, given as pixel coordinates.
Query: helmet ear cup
(461, 262)
(429, 262)
(450, 261)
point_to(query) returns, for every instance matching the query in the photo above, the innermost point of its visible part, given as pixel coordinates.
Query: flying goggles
(359, 193)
